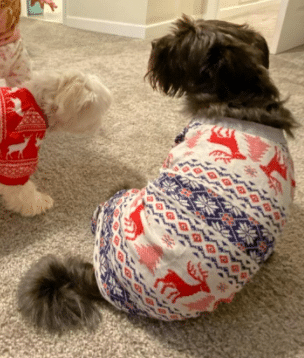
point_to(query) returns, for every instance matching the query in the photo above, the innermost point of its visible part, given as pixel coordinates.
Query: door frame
(287, 35)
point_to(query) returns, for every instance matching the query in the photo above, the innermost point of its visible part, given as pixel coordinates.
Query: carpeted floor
(266, 320)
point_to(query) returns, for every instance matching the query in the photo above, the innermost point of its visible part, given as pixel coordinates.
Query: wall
(230, 8)
(160, 10)
(229, 3)
(147, 18)
(133, 18)
(138, 12)
(161, 14)
(193, 7)
(127, 11)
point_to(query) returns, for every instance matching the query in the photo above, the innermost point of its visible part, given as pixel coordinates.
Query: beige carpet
(266, 320)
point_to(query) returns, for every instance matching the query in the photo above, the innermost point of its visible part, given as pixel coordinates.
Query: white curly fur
(73, 102)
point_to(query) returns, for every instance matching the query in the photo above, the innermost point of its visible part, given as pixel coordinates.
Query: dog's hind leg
(25, 199)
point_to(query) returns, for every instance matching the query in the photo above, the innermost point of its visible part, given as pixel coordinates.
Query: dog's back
(206, 224)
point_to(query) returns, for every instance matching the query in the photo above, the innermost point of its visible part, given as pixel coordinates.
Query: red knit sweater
(22, 128)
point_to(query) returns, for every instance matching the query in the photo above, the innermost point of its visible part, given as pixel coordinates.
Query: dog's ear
(231, 70)
(86, 99)
(95, 95)
(162, 73)
(74, 91)
(172, 56)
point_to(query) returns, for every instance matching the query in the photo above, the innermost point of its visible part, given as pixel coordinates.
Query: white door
(289, 30)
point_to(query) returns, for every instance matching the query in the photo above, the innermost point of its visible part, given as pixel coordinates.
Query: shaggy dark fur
(221, 68)
(59, 295)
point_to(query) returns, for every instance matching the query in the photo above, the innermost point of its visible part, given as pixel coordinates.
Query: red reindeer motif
(182, 288)
(275, 165)
(135, 224)
(227, 140)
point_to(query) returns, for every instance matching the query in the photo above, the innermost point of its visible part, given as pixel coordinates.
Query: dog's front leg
(25, 199)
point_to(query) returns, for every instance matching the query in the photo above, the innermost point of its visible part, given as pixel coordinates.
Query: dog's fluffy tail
(60, 294)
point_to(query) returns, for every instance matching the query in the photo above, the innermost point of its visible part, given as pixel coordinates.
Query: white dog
(57, 101)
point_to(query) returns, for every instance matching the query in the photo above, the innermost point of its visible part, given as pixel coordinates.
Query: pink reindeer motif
(229, 141)
(275, 165)
(18, 148)
(182, 288)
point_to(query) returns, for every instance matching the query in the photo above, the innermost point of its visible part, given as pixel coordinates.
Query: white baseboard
(159, 29)
(153, 30)
(119, 28)
(245, 8)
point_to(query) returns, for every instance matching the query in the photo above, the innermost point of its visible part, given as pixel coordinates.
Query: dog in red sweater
(57, 101)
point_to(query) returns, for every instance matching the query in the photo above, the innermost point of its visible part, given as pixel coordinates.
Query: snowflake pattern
(179, 199)
(234, 209)
(267, 234)
(170, 186)
(191, 183)
(103, 265)
(254, 255)
(222, 287)
(229, 220)
(168, 241)
(250, 171)
(115, 287)
(215, 212)
(221, 229)
(206, 204)
(247, 233)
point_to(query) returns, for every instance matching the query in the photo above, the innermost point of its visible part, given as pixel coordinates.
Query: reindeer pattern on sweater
(22, 129)
(194, 236)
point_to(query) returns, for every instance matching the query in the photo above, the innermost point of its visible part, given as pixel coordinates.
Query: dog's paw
(25, 199)
(36, 205)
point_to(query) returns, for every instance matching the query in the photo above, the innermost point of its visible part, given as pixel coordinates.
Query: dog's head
(72, 101)
(219, 59)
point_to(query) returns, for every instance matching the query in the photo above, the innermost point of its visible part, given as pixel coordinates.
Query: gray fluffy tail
(60, 294)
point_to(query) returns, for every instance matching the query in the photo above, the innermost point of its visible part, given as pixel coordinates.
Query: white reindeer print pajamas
(194, 236)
